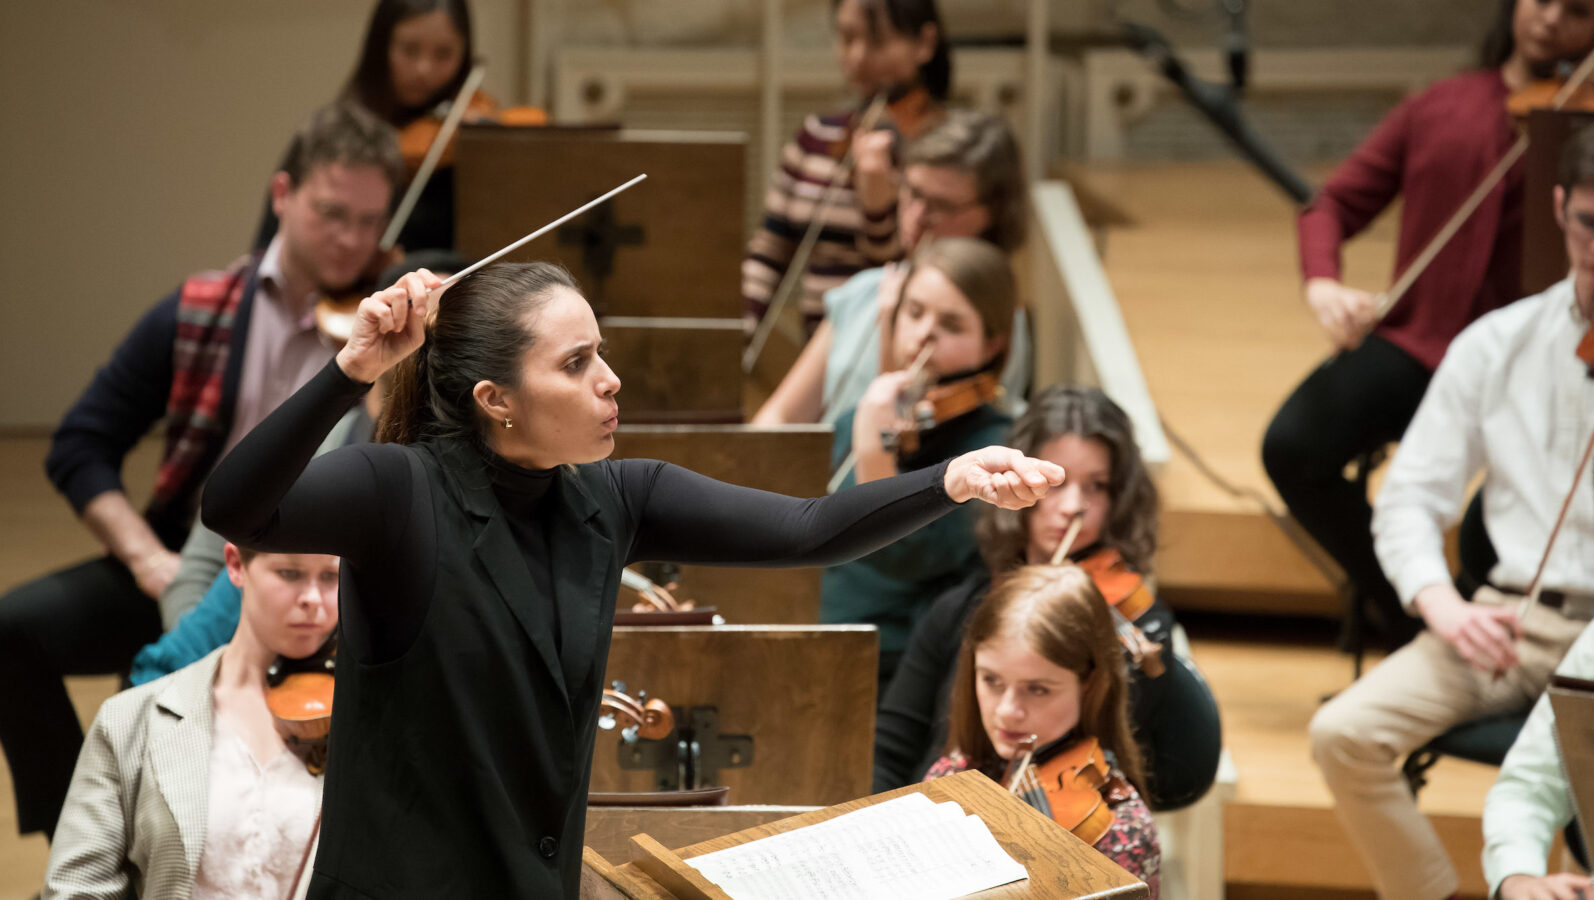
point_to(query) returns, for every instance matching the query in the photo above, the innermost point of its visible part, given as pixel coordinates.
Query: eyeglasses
(936, 208)
(339, 216)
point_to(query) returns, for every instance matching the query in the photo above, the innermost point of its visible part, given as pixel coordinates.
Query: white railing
(1079, 332)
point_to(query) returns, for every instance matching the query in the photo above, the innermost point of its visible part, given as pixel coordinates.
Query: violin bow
(799, 260)
(456, 113)
(1060, 556)
(1536, 586)
(496, 255)
(1388, 299)
(851, 462)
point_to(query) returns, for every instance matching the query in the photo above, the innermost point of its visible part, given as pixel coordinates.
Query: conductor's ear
(492, 400)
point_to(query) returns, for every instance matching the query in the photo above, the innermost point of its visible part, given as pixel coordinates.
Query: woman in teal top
(956, 310)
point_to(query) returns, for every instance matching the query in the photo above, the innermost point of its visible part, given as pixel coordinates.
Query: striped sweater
(849, 242)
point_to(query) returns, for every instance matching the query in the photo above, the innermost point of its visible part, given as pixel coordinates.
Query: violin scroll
(637, 717)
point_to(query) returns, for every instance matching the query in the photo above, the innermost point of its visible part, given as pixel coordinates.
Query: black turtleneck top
(476, 599)
(365, 503)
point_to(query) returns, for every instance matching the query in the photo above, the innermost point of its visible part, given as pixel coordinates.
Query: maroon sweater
(1433, 149)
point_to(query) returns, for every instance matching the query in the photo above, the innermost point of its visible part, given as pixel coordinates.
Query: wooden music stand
(1544, 259)
(660, 264)
(1060, 866)
(787, 459)
(780, 713)
(1572, 700)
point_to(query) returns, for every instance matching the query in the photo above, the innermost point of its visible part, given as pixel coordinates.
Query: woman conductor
(482, 546)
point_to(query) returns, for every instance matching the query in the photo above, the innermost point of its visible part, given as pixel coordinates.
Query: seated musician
(1531, 802)
(414, 60)
(211, 360)
(1512, 399)
(952, 320)
(199, 608)
(184, 787)
(892, 47)
(1041, 658)
(1431, 151)
(1109, 492)
(963, 178)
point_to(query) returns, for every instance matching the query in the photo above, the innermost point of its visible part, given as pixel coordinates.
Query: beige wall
(136, 139)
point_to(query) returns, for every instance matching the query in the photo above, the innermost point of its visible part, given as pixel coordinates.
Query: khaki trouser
(1418, 693)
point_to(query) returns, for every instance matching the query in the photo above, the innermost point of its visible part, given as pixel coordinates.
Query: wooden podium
(1060, 866)
(777, 713)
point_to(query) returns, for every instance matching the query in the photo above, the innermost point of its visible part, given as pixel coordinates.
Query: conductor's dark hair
(484, 325)
(343, 133)
(371, 83)
(908, 17)
(1577, 160)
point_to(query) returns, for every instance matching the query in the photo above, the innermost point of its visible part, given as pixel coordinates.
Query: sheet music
(907, 847)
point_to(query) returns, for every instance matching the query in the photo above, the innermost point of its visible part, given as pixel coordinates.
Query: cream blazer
(136, 811)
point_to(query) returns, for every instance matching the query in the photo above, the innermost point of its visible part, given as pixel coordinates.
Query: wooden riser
(1301, 847)
(1238, 562)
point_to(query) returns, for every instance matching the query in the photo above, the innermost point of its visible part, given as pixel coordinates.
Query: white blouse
(259, 821)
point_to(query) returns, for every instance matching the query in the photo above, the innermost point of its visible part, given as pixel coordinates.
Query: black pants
(89, 619)
(1352, 404)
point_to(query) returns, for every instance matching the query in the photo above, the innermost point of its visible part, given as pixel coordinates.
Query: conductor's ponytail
(406, 406)
(484, 325)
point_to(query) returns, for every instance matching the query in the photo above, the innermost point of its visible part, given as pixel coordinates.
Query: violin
(1547, 93)
(652, 596)
(1127, 598)
(1073, 786)
(922, 410)
(1553, 94)
(416, 138)
(907, 110)
(299, 696)
(637, 717)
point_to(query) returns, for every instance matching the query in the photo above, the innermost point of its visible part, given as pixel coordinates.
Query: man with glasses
(207, 363)
(962, 178)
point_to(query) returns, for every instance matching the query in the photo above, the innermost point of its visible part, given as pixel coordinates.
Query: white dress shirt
(1512, 398)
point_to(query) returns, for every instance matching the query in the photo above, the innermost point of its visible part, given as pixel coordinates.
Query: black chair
(1486, 741)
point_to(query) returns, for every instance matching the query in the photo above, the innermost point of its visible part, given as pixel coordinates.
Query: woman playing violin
(191, 767)
(895, 48)
(414, 59)
(483, 539)
(1110, 495)
(951, 325)
(1040, 659)
(1432, 151)
(962, 178)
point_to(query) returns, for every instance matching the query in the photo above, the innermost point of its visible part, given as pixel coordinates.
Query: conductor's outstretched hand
(1001, 476)
(388, 326)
